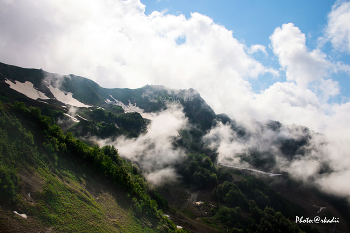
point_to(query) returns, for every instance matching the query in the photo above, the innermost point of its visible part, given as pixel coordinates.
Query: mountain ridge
(150, 98)
(119, 114)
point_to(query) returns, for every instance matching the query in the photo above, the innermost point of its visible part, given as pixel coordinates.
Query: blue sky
(253, 22)
(263, 60)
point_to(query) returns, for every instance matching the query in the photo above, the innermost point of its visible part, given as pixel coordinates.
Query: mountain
(70, 90)
(115, 154)
(81, 92)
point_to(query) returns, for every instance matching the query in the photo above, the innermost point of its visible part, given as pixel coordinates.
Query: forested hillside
(42, 176)
(30, 143)
(61, 166)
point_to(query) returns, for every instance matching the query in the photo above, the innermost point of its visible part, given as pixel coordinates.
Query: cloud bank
(322, 162)
(117, 45)
(338, 28)
(153, 151)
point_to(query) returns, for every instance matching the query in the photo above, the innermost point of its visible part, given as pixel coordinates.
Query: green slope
(97, 192)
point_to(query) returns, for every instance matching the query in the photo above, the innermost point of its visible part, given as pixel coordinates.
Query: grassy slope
(65, 195)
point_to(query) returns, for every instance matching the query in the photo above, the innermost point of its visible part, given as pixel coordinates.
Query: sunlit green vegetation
(29, 139)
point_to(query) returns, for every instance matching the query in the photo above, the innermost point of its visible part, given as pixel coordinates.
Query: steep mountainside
(148, 98)
(59, 164)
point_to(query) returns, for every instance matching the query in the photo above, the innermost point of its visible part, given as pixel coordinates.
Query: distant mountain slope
(62, 91)
(148, 98)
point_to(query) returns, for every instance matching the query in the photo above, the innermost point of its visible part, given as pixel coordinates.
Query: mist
(154, 151)
(322, 162)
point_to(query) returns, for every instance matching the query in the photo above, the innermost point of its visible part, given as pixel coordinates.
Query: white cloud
(154, 151)
(117, 45)
(336, 183)
(301, 66)
(114, 43)
(4, 4)
(328, 150)
(162, 176)
(329, 88)
(338, 28)
(301, 100)
(226, 143)
(256, 48)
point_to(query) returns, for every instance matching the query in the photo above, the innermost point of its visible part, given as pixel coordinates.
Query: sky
(259, 60)
(265, 60)
(253, 22)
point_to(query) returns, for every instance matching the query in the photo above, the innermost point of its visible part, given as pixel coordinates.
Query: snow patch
(250, 169)
(73, 118)
(198, 203)
(132, 108)
(66, 98)
(147, 115)
(42, 101)
(108, 101)
(22, 215)
(81, 117)
(27, 89)
(128, 108)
